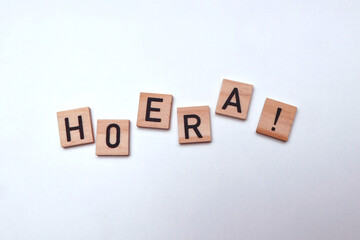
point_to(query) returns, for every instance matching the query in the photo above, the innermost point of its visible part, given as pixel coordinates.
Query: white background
(59, 55)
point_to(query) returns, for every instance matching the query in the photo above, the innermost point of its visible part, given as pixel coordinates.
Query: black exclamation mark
(276, 118)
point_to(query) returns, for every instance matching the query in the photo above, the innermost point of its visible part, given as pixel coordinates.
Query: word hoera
(112, 135)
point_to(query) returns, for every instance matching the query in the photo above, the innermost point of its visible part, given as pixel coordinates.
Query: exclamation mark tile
(276, 119)
(278, 112)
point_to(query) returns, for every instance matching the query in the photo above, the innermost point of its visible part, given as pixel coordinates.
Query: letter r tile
(75, 127)
(154, 110)
(194, 124)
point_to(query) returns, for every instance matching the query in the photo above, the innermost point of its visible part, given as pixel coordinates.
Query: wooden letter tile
(75, 127)
(194, 124)
(234, 99)
(154, 110)
(112, 137)
(276, 119)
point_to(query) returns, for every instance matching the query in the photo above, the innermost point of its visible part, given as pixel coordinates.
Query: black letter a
(228, 102)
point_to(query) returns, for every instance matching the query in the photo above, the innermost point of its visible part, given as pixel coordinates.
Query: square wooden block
(112, 137)
(276, 119)
(154, 110)
(234, 99)
(194, 124)
(75, 127)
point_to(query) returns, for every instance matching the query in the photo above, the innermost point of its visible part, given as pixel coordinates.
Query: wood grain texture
(72, 116)
(163, 114)
(123, 145)
(280, 130)
(204, 127)
(244, 92)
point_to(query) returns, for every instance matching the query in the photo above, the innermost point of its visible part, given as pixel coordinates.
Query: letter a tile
(234, 99)
(154, 110)
(276, 119)
(75, 127)
(112, 137)
(194, 124)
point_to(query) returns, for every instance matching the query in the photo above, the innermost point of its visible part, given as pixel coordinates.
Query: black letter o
(110, 145)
